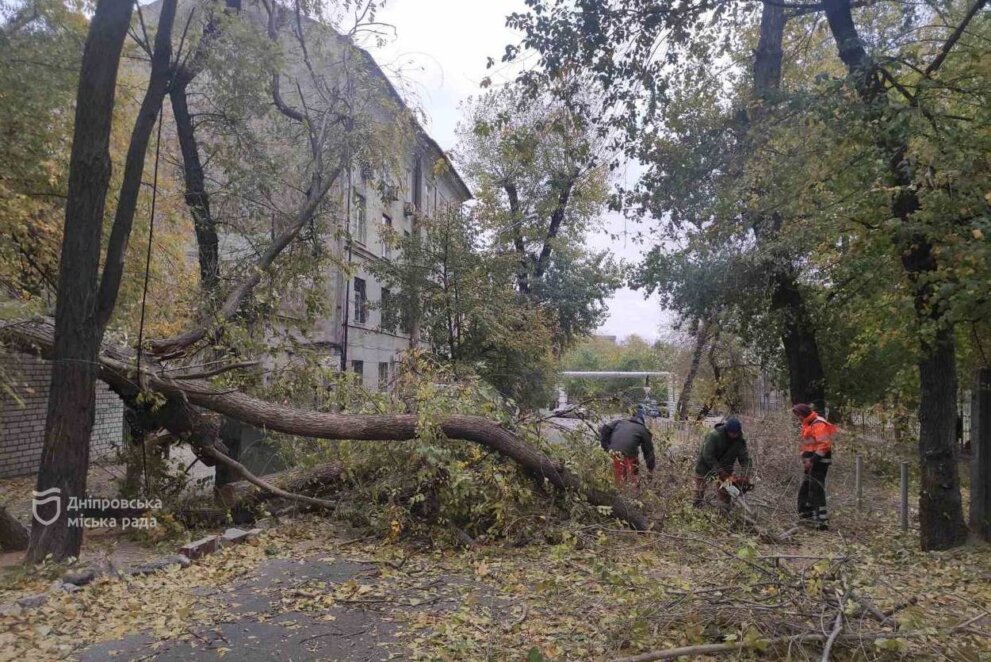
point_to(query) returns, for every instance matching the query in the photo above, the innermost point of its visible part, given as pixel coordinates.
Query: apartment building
(363, 331)
(355, 334)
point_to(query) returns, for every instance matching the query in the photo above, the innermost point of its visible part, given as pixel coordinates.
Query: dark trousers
(812, 493)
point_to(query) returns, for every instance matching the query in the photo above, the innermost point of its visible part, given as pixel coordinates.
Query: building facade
(363, 328)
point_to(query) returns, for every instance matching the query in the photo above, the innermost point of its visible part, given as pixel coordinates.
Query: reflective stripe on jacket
(817, 435)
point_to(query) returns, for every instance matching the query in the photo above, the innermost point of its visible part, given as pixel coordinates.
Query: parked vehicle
(571, 411)
(651, 408)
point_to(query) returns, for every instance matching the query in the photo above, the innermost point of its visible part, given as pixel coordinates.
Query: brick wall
(23, 406)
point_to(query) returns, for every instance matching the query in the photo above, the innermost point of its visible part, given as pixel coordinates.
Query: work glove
(724, 475)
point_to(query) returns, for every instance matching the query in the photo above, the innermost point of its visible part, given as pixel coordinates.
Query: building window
(405, 319)
(388, 310)
(417, 184)
(360, 301)
(383, 376)
(431, 204)
(359, 227)
(358, 368)
(386, 236)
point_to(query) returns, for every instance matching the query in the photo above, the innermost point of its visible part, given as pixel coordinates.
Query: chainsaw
(737, 487)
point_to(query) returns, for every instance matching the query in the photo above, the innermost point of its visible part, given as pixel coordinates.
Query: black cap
(733, 425)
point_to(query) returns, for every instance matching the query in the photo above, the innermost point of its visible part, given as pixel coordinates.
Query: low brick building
(24, 382)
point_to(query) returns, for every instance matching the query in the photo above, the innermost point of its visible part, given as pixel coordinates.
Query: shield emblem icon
(43, 498)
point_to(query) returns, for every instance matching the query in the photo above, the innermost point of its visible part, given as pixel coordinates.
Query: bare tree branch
(954, 38)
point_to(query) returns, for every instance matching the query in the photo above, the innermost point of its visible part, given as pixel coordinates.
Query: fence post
(904, 496)
(859, 478)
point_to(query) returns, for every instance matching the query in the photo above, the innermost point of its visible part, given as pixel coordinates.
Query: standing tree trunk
(71, 396)
(207, 241)
(701, 333)
(940, 504)
(806, 378)
(980, 458)
(84, 305)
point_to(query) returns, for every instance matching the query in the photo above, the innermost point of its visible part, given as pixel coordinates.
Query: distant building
(609, 339)
(360, 333)
(365, 330)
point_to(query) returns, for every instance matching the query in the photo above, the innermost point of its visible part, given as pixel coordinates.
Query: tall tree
(540, 177)
(86, 301)
(940, 503)
(806, 376)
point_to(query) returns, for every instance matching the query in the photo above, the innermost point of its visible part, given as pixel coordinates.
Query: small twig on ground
(837, 627)
(522, 617)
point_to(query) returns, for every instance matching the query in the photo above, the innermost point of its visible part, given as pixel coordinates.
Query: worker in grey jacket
(624, 440)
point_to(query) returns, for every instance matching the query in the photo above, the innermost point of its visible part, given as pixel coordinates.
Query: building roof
(421, 133)
(154, 8)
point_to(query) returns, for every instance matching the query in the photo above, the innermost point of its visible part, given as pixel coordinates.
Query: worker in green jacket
(722, 449)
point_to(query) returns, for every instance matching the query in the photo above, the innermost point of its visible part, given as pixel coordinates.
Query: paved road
(262, 630)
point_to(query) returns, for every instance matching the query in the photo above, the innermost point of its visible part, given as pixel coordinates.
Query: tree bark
(197, 199)
(806, 378)
(516, 220)
(941, 519)
(14, 536)
(71, 396)
(701, 333)
(557, 220)
(940, 503)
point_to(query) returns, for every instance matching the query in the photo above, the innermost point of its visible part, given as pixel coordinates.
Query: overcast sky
(440, 50)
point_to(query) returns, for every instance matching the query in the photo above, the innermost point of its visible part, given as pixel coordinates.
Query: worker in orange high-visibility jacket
(817, 455)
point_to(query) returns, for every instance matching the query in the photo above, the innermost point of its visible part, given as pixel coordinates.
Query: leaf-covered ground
(309, 589)
(598, 595)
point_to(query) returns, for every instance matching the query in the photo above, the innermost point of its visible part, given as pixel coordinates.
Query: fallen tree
(180, 416)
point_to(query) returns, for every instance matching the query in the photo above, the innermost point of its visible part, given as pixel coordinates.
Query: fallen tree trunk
(117, 370)
(13, 534)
